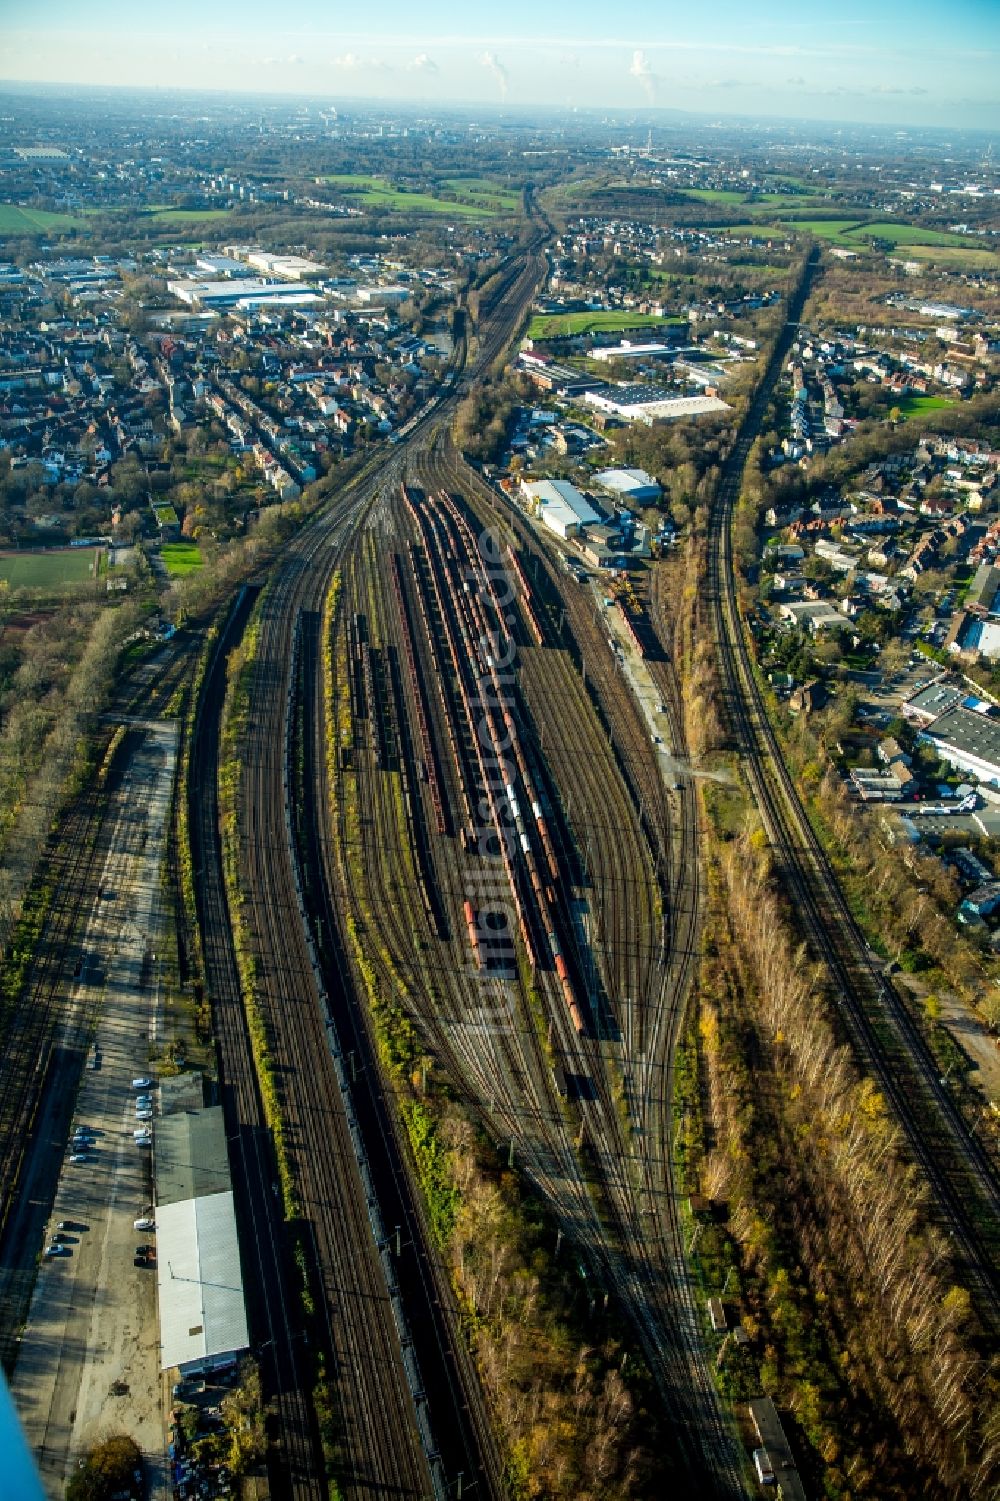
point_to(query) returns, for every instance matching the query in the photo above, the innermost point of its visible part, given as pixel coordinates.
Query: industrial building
(646, 404)
(561, 507)
(240, 292)
(203, 1322)
(967, 739)
(383, 296)
(630, 484)
(221, 267)
(287, 267)
(626, 350)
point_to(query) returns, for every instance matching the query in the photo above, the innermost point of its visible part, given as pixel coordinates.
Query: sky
(917, 62)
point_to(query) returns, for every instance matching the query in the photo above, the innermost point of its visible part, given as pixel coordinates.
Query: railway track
(382, 1429)
(962, 1176)
(479, 1030)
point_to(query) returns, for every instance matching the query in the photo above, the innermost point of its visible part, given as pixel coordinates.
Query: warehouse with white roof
(561, 506)
(631, 403)
(203, 1320)
(203, 1317)
(630, 484)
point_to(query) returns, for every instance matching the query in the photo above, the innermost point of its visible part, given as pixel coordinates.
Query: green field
(181, 558)
(766, 200)
(908, 234)
(34, 221)
(856, 234)
(482, 190)
(164, 214)
(946, 255)
(759, 231)
(49, 569)
(378, 192)
(913, 407)
(563, 325)
(714, 195)
(823, 229)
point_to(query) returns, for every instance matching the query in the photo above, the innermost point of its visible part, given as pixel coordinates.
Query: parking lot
(89, 1357)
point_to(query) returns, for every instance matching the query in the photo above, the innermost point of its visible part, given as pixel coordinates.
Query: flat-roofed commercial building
(968, 740)
(203, 1320)
(561, 506)
(630, 484)
(641, 404)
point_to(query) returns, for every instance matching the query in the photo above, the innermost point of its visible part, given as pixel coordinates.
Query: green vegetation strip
(240, 669)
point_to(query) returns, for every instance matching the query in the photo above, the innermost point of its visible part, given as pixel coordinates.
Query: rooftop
(202, 1312)
(191, 1156)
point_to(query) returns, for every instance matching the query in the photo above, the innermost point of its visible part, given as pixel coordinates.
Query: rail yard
(546, 1058)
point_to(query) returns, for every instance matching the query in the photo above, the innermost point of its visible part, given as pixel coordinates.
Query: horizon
(910, 64)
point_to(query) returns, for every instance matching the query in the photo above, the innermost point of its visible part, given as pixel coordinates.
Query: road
(89, 1356)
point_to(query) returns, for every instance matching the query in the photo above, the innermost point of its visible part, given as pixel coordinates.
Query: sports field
(49, 569)
(181, 558)
(563, 325)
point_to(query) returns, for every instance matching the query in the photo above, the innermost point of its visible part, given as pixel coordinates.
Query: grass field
(50, 569)
(562, 325)
(483, 190)
(907, 234)
(913, 407)
(181, 558)
(760, 231)
(164, 214)
(823, 229)
(767, 201)
(714, 195)
(961, 259)
(377, 191)
(34, 221)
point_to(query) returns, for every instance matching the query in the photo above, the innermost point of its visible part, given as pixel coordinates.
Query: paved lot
(89, 1358)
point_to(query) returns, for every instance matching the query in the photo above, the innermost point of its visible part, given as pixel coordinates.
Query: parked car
(144, 1114)
(144, 1223)
(80, 1157)
(142, 1083)
(54, 1249)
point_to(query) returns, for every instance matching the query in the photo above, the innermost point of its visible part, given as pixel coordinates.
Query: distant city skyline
(891, 62)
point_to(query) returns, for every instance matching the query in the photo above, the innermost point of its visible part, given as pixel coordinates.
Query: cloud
(353, 62)
(423, 64)
(496, 67)
(641, 69)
